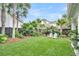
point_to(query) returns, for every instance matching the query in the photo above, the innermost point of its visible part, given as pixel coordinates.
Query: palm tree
(3, 17)
(17, 11)
(21, 11)
(61, 22)
(14, 18)
(68, 20)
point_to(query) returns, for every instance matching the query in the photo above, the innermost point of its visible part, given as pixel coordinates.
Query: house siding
(9, 24)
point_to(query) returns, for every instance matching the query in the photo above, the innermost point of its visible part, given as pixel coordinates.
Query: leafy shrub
(26, 33)
(75, 38)
(3, 38)
(73, 34)
(19, 35)
(36, 34)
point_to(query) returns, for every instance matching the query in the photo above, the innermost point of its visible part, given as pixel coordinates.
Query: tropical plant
(18, 35)
(22, 10)
(61, 23)
(14, 18)
(34, 24)
(31, 27)
(3, 38)
(17, 11)
(26, 28)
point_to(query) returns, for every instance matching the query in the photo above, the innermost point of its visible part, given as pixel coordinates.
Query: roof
(73, 9)
(49, 21)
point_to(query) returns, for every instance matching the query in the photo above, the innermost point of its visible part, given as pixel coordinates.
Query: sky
(49, 11)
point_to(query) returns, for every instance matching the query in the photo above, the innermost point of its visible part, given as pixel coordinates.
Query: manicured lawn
(38, 46)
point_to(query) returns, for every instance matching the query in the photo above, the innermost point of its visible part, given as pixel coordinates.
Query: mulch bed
(11, 40)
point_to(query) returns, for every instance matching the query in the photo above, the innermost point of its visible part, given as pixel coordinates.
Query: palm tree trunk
(61, 30)
(3, 17)
(14, 18)
(17, 21)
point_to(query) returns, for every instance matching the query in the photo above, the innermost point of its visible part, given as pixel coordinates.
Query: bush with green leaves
(71, 32)
(18, 35)
(3, 38)
(36, 34)
(74, 38)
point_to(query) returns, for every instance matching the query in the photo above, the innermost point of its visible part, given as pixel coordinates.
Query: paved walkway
(76, 50)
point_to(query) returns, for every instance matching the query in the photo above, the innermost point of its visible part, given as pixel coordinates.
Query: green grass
(38, 46)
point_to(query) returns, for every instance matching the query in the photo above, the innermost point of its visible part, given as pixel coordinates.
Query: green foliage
(21, 9)
(61, 22)
(3, 38)
(36, 34)
(31, 28)
(19, 35)
(34, 24)
(54, 30)
(27, 28)
(73, 33)
(74, 38)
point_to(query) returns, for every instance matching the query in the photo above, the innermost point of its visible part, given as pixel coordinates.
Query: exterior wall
(78, 24)
(74, 14)
(48, 23)
(0, 21)
(9, 24)
(20, 24)
(73, 24)
(9, 21)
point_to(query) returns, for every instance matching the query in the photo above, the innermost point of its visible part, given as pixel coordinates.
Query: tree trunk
(17, 21)
(61, 30)
(3, 17)
(14, 18)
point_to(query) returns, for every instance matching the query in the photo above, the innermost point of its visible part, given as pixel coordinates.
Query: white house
(48, 23)
(73, 13)
(9, 23)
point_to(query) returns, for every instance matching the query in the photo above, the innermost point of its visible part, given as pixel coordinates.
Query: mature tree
(14, 18)
(61, 22)
(38, 20)
(22, 10)
(3, 17)
(68, 20)
(17, 11)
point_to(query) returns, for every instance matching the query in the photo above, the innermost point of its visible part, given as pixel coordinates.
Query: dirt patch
(11, 40)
